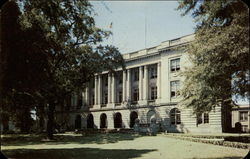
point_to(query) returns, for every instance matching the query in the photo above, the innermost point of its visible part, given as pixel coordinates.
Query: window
(153, 93)
(153, 72)
(244, 128)
(243, 116)
(199, 119)
(136, 75)
(120, 80)
(175, 86)
(106, 81)
(79, 103)
(105, 98)
(93, 99)
(120, 97)
(175, 65)
(136, 94)
(202, 118)
(175, 116)
(206, 118)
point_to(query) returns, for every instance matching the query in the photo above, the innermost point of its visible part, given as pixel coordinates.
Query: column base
(158, 101)
(143, 102)
(96, 106)
(111, 105)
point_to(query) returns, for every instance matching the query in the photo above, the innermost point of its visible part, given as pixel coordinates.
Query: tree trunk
(50, 124)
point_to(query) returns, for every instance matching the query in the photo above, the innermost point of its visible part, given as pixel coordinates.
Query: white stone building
(241, 114)
(149, 87)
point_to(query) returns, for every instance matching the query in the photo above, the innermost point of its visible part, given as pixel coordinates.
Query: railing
(151, 102)
(103, 105)
(117, 104)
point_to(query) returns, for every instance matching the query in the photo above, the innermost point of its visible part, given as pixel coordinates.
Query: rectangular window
(178, 118)
(153, 72)
(93, 99)
(79, 103)
(202, 118)
(206, 118)
(243, 116)
(175, 86)
(172, 116)
(136, 75)
(105, 98)
(120, 80)
(199, 119)
(153, 93)
(136, 94)
(106, 81)
(244, 128)
(120, 97)
(175, 65)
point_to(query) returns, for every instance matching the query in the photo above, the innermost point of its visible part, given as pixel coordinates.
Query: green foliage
(219, 53)
(59, 51)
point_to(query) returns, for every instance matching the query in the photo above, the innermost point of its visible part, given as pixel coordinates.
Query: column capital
(159, 64)
(146, 67)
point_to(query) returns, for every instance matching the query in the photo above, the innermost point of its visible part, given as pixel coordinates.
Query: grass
(112, 146)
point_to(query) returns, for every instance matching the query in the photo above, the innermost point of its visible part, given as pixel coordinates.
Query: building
(241, 116)
(148, 88)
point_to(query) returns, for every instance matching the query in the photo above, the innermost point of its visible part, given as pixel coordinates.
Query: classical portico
(147, 88)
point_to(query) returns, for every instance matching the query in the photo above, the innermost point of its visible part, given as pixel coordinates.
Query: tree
(71, 47)
(219, 54)
(22, 69)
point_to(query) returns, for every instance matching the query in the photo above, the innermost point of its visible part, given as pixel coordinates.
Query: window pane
(199, 119)
(206, 118)
(178, 118)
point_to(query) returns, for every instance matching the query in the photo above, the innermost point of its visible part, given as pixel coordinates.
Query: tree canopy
(63, 48)
(219, 54)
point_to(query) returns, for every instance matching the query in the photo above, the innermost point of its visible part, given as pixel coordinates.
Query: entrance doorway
(90, 121)
(133, 116)
(103, 119)
(118, 120)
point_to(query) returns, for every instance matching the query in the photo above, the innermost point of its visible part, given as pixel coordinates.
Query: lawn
(112, 146)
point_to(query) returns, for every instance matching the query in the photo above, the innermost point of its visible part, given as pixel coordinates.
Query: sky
(138, 25)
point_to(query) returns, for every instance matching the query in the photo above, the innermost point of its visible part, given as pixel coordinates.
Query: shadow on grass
(17, 140)
(86, 153)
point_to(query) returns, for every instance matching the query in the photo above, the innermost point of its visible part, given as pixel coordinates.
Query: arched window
(118, 120)
(78, 122)
(175, 116)
(90, 121)
(133, 116)
(103, 121)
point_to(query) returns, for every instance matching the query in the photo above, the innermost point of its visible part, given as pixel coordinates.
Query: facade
(148, 88)
(241, 116)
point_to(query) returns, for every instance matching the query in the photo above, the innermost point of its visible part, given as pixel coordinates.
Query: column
(96, 90)
(128, 85)
(140, 83)
(124, 86)
(145, 83)
(159, 80)
(100, 89)
(109, 88)
(113, 89)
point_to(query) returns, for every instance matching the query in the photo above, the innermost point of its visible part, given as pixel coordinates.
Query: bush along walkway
(216, 140)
